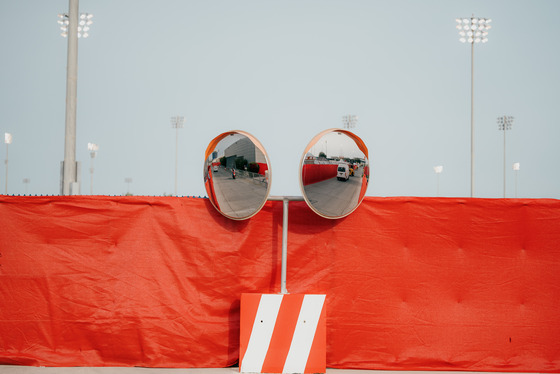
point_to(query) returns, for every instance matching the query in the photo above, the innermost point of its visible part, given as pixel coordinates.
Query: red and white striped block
(282, 334)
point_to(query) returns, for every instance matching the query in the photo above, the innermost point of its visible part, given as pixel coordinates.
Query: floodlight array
(84, 23)
(93, 147)
(177, 122)
(473, 30)
(349, 121)
(504, 122)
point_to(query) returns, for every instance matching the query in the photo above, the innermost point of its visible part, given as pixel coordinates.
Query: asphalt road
(332, 197)
(239, 197)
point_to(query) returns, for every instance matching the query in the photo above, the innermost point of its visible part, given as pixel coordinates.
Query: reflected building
(245, 148)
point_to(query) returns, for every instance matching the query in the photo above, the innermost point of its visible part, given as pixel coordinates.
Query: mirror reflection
(334, 173)
(236, 174)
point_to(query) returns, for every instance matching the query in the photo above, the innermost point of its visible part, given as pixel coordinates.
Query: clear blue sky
(284, 71)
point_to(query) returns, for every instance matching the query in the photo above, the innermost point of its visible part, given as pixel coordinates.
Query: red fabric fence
(313, 173)
(411, 283)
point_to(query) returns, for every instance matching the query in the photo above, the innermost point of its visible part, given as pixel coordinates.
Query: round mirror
(237, 174)
(334, 173)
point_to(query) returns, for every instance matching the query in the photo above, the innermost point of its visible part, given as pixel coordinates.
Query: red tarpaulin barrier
(411, 283)
(313, 173)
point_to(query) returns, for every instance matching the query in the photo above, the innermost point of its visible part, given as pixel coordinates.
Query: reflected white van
(343, 172)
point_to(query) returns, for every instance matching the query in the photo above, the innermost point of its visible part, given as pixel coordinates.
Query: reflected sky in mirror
(236, 175)
(334, 173)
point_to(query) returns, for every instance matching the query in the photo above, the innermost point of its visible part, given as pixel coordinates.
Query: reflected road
(239, 197)
(334, 198)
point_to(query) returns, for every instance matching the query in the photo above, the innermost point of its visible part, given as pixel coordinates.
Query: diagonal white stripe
(304, 333)
(261, 333)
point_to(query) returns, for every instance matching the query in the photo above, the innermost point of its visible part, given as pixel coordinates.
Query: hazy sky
(284, 70)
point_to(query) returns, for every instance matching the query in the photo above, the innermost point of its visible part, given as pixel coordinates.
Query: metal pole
(516, 183)
(285, 201)
(91, 172)
(7, 146)
(176, 151)
(472, 119)
(69, 174)
(505, 128)
(283, 288)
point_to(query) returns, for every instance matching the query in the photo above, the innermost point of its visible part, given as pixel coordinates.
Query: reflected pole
(473, 30)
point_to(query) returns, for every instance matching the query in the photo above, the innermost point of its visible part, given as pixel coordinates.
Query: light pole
(504, 124)
(516, 171)
(73, 26)
(128, 181)
(177, 123)
(349, 121)
(438, 169)
(26, 181)
(92, 148)
(473, 30)
(8, 141)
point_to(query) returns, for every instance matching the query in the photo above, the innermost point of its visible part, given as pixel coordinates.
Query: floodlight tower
(473, 30)
(73, 26)
(92, 148)
(8, 141)
(504, 124)
(177, 123)
(349, 121)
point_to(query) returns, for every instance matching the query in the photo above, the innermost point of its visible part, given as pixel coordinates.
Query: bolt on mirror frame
(321, 196)
(231, 198)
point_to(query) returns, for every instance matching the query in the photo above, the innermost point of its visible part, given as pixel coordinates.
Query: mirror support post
(285, 203)
(284, 244)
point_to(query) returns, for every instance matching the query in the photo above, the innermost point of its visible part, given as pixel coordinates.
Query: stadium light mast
(473, 30)
(504, 124)
(177, 123)
(73, 26)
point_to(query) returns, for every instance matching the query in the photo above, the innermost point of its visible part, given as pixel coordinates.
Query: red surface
(263, 167)
(283, 334)
(411, 283)
(313, 173)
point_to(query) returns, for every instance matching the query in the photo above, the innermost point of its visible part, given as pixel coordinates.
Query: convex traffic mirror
(334, 173)
(237, 174)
